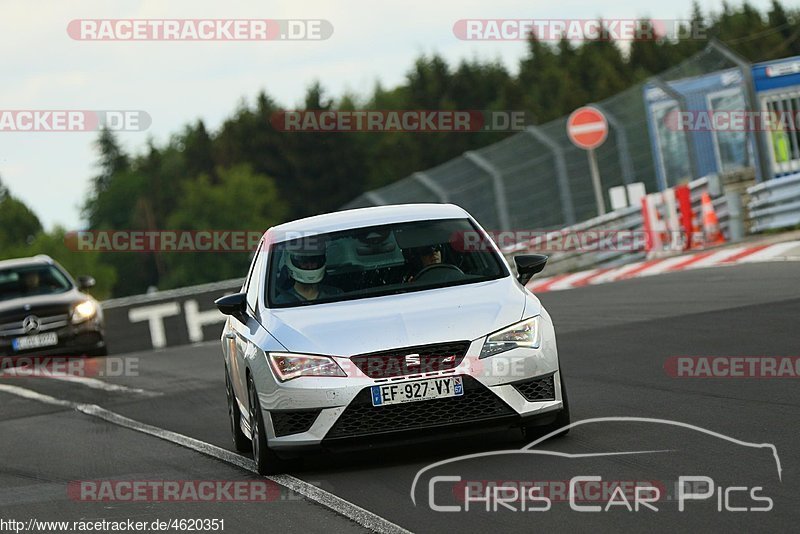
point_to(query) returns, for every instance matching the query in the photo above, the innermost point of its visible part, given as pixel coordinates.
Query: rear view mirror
(529, 265)
(233, 305)
(86, 282)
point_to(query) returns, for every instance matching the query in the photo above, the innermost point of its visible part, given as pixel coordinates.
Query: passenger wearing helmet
(307, 269)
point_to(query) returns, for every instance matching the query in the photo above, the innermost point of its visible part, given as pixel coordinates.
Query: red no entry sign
(587, 128)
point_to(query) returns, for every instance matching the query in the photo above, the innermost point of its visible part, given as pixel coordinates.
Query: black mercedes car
(43, 311)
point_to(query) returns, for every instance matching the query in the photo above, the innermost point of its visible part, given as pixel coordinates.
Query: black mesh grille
(426, 359)
(362, 418)
(286, 423)
(539, 389)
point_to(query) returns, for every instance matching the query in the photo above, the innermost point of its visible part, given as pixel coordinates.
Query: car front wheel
(267, 462)
(240, 441)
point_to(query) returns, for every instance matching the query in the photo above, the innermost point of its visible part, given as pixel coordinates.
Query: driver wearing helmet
(307, 269)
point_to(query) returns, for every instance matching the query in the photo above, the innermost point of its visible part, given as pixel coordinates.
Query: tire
(240, 440)
(267, 462)
(562, 419)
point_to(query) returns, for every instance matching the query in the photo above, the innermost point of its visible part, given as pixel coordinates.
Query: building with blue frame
(681, 155)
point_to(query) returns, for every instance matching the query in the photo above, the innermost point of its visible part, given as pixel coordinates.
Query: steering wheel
(440, 267)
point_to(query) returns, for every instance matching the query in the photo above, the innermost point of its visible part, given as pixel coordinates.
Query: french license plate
(35, 342)
(433, 388)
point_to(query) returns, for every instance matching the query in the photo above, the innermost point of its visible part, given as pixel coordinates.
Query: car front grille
(538, 389)
(412, 360)
(45, 324)
(361, 418)
(294, 422)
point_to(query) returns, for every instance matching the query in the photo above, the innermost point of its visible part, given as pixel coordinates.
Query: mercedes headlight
(288, 366)
(522, 334)
(83, 311)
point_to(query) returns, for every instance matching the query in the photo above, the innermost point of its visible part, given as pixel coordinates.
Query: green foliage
(18, 224)
(212, 206)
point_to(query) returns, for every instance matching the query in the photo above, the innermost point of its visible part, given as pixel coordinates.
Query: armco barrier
(622, 220)
(625, 219)
(166, 318)
(775, 203)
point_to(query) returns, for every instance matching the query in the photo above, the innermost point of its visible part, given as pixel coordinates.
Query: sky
(177, 83)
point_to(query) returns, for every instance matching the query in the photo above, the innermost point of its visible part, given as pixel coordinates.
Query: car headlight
(522, 334)
(288, 366)
(83, 311)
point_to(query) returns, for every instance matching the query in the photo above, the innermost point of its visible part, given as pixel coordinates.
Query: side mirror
(86, 282)
(233, 305)
(529, 265)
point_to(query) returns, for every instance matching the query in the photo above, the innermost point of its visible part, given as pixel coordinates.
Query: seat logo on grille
(412, 360)
(30, 324)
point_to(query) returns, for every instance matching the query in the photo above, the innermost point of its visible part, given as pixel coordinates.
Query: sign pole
(587, 128)
(598, 188)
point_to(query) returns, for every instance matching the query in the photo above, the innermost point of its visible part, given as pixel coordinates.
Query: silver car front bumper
(331, 396)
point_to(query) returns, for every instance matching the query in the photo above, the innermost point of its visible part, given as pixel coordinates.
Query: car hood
(361, 326)
(41, 305)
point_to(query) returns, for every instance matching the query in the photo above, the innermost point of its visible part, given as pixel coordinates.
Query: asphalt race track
(614, 342)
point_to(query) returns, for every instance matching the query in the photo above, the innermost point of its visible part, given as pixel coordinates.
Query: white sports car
(395, 323)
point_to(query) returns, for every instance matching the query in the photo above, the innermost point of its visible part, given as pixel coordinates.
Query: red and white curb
(707, 258)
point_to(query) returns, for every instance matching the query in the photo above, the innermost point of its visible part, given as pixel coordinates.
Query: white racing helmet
(306, 267)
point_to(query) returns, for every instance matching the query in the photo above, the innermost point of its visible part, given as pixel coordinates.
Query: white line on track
(99, 384)
(337, 504)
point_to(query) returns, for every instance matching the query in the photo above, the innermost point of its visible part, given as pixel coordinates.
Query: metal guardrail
(574, 258)
(623, 220)
(775, 203)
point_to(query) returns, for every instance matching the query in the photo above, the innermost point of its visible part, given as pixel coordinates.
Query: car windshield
(32, 280)
(379, 260)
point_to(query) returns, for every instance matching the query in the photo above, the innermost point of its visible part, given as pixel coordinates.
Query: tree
(113, 161)
(198, 151)
(241, 200)
(18, 224)
(788, 33)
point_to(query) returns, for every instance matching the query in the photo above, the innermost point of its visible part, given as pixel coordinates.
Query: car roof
(362, 217)
(24, 262)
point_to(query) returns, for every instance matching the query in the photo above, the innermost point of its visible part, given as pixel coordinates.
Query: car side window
(252, 281)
